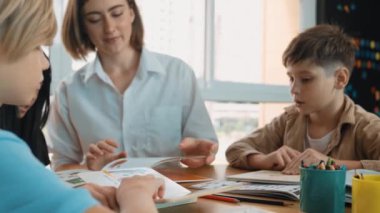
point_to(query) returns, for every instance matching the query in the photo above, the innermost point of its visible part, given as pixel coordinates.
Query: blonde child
(25, 184)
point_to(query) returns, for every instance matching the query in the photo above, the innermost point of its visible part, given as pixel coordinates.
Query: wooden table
(212, 206)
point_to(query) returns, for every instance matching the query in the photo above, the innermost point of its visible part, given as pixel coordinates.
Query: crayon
(221, 198)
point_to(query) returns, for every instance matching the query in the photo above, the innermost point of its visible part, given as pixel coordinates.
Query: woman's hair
(75, 37)
(20, 34)
(29, 128)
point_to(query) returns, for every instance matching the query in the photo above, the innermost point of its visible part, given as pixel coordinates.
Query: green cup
(322, 190)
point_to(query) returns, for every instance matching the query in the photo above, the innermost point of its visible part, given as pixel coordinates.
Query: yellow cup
(366, 194)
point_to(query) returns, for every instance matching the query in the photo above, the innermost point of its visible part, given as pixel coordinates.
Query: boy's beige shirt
(357, 137)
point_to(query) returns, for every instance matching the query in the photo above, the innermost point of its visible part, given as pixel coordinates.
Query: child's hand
(106, 195)
(139, 192)
(101, 153)
(276, 160)
(309, 156)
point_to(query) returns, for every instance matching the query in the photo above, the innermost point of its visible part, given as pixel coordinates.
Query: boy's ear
(342, 75)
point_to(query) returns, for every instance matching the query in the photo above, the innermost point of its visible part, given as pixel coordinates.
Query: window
(237, 27)
(234, 47)
(176, 28)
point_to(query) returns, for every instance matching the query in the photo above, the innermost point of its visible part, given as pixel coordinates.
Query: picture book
(175, 194)
(71, 178)
(279, 191)
(151, 162)
(158, 164)
(266, 176)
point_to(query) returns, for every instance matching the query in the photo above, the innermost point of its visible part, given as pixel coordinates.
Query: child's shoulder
(290, 114)
(358, 116)
(291, 111)
(357, 113)
(363, 115)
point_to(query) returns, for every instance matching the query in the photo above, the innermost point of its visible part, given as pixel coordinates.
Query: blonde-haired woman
(129, 99)
(25, 184)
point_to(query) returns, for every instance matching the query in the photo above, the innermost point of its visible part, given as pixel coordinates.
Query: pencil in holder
(322, 190)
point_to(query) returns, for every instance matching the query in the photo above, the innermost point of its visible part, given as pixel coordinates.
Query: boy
(323, 122)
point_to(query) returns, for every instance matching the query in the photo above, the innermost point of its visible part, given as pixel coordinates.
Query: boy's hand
(101, 153)
(192, 146)
(309, 156)
(276, 160)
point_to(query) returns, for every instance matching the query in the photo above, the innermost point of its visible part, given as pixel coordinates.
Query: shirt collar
(149, 62)
(93, 68)
(347, 116)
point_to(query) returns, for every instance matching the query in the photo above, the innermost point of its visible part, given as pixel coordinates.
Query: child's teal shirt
(27, 186)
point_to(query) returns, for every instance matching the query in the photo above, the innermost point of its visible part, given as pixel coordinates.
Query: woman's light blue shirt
(162, 106)
(27, 186)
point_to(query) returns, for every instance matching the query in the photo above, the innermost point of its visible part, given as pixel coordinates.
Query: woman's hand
(197, 147)
(101, 153)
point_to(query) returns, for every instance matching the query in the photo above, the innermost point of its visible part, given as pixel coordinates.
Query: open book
(278, 191)
(151, 162)
(267, 177)
(174, 194)
(157, 163)
(71, 178)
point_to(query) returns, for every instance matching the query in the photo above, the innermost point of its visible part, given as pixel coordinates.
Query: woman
(129, 99)
(25, 184)
(27, 121)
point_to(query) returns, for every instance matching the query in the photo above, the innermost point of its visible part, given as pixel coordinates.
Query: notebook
(266, 176)
(279, 191)
(174, 194)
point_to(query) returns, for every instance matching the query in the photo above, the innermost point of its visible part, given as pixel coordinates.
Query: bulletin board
(361, 20)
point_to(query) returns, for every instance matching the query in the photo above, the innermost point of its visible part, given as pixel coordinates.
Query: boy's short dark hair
(323, 45)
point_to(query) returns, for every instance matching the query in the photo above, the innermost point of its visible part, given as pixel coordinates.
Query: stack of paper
(267, 177)
(287, 192)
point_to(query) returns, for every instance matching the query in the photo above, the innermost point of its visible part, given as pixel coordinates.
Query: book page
(125, 163)
(266, 176)
(151, 162)
(113, 178)
(289, 192)
(174, 194)
(71, 178)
